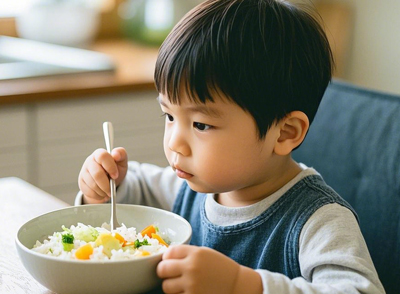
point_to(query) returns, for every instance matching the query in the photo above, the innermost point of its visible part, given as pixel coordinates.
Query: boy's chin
(200, 188)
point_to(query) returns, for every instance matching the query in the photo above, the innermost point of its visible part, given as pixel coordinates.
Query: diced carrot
(119, 238)
(148, 231)
(84, 251)
(145, 253)
(128, 243)
(159, 238)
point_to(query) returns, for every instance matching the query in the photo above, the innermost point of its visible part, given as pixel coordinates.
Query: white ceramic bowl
(61, 23)
(76, 276)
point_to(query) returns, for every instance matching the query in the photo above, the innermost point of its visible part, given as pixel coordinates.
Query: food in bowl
(77, 276)
(84, 242)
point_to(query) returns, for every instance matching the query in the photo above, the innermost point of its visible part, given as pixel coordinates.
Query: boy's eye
(169, 117)
(201, 126)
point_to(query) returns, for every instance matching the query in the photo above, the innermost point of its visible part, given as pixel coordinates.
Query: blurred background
(365, 34)
(371, 42)
(68, 65)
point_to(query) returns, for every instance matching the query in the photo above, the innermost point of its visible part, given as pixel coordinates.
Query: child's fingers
(177, 252)
(173, 286)
(91, 194)
(99, 184)
(120, 156)
(97, 179)
(106, 161)
(169, 269)
(172, 262)
(94, 179)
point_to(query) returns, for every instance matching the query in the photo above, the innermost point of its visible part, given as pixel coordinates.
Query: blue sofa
(354, 142)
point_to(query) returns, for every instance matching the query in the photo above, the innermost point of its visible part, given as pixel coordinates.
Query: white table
(20, 202)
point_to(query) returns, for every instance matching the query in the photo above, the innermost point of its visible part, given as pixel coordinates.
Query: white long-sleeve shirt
(333, 256)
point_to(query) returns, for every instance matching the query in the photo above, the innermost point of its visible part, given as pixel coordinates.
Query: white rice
(53, 244)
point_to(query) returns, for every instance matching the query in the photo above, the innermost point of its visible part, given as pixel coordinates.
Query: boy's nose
(177, 142)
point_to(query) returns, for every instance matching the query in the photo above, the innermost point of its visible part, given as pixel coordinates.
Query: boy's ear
(293, 129)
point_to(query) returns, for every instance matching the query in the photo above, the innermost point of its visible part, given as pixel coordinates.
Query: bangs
(185, 69)
(189, 61)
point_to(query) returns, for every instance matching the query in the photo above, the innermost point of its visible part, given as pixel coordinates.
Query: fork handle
(108, 131)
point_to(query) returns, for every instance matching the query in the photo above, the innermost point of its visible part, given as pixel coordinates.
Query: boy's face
(215, 146)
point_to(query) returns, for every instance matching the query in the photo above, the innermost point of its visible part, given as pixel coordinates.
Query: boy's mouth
(182, 174)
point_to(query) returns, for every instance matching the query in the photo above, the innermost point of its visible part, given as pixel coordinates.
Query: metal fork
(108, 131)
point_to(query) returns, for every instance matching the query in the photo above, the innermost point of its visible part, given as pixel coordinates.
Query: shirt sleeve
(333, 258)
(147, 184)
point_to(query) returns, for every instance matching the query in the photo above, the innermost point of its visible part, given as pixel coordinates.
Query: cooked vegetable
(120, 238)
(84, 251)
(127, 244)
(137, 243)
(109, 243)
(87, 234)
(160, 239)
(145, 253)
(84, 242)
(67, 241)
(148, 231)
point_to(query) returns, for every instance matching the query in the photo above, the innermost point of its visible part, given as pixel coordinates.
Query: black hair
(268, 56)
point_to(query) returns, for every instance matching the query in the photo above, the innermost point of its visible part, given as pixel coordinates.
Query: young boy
(240, 82)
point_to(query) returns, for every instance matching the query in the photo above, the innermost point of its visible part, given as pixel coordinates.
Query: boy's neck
(253, 195)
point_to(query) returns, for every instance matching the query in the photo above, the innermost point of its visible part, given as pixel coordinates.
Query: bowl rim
(56, 259)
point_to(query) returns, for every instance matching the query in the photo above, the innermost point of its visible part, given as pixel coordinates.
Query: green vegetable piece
(68, 238)
(137, 243)
(68, 241)
(88, 235)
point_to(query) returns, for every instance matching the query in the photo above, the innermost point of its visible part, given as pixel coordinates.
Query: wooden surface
(134, 72)
(20, 202)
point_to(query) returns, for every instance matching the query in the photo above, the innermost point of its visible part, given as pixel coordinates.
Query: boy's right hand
(94, 181)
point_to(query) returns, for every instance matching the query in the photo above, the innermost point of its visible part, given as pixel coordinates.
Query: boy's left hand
(192, 269)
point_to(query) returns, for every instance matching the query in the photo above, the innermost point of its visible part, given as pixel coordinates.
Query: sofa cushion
(354, 142)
